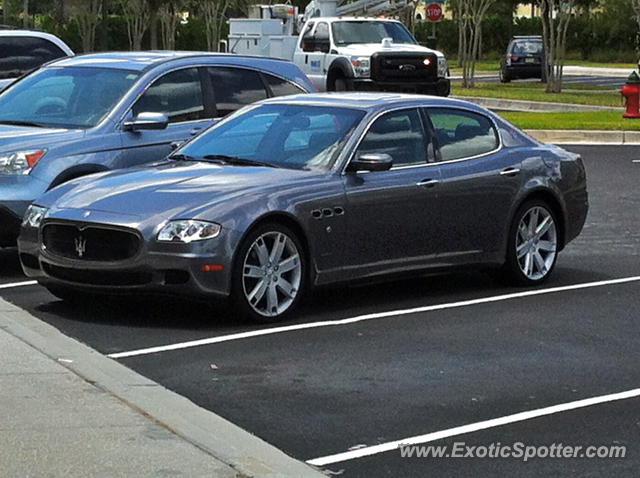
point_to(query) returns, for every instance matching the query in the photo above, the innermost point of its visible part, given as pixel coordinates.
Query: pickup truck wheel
(340, 84)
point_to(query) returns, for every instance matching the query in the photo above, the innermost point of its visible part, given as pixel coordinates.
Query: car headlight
(34, 216)
(188, 231)
(361, 65)
(443, 67)
(20, 162)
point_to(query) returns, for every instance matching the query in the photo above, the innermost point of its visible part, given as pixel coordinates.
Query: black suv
(524, 58)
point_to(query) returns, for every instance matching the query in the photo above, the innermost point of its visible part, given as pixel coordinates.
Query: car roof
(143, 60)
(370, 101)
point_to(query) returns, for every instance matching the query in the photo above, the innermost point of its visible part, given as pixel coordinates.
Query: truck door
(315, 45)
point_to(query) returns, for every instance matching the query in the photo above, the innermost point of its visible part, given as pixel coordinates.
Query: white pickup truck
(345, 53)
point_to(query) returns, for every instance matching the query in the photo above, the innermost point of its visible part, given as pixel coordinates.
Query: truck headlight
(361, 66)
(20, 162)
(443, 67)
(34, 216)
(188, 230)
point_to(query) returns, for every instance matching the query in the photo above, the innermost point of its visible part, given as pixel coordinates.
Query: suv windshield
(70, 97)
(279, 135)
(529, 47)
(345, 33)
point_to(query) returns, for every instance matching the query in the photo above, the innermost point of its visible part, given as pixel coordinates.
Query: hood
(368, 49)
(176, 189)
(16, 138)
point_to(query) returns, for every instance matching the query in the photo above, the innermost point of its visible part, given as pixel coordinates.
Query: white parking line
(473, 427)
(18, 284)
(361, 318)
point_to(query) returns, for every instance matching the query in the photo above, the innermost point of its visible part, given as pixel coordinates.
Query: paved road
(613, 82)
(318, 391)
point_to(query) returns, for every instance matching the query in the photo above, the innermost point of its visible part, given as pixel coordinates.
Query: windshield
(71, 97)
(345, 33)
(280, 135)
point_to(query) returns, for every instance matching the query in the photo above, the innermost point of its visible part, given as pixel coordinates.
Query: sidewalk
(67, 411)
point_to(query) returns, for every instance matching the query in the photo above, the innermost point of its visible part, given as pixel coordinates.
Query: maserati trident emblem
(81, 245)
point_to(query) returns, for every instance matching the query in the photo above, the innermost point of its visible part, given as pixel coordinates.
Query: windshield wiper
(23, 123)
(234, 160)
(182, 157)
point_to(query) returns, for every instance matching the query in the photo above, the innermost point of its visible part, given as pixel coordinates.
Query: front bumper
(158, 268)
(16, 193)
(9, 226)
(440, 87)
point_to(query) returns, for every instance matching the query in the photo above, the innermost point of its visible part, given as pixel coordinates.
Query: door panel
(392, 216)
(475, 193)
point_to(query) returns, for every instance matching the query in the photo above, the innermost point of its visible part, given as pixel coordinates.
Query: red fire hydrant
(631, 93)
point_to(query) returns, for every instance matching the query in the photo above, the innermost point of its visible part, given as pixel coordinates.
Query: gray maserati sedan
(300, 191)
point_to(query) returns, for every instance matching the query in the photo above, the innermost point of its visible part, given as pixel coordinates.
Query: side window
(462, 134)
(234, 88)
(281, 87)
(322, 32)
(399, 134)
(307, 43)
(177, 94)
(19, 55)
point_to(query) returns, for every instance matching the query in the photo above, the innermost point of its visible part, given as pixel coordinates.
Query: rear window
(526, 48)
(21, 54)
(234, 88)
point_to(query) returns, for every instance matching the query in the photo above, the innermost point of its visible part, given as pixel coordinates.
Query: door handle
(510, 172)
(195, 131)
(427, 183)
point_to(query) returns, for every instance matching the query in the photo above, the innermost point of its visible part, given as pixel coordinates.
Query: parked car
(24, 50)
(524, 58)
(314, 189)
(98, 112)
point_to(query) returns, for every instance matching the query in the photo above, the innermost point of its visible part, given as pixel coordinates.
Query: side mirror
(147, 121)
(371, 162)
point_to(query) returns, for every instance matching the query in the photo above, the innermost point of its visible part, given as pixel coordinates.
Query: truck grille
(404, 67)
(90, 243)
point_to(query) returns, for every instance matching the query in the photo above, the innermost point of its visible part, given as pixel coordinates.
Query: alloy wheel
(536, 243)
(272, 274)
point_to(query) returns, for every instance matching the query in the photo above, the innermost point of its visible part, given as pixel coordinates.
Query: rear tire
(270, 273)
(532, 248)
(504, 76)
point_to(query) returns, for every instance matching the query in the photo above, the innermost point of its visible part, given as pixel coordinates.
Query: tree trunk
(25, 13)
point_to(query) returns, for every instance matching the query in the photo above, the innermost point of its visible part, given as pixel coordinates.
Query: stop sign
(434, 12)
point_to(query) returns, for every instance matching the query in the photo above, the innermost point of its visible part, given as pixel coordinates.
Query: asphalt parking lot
(378, 363)
(613, 82)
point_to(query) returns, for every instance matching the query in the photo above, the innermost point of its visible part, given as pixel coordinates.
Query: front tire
(270, 273)
(532, 249)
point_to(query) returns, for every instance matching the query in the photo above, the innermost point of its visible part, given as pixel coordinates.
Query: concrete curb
(247, 454)
(530, 106)
(585, 137)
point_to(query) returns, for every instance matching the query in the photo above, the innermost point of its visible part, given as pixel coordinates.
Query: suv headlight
(443, 67)
(361, 65)
(34, 216)
(188, 231)
(20, 162)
